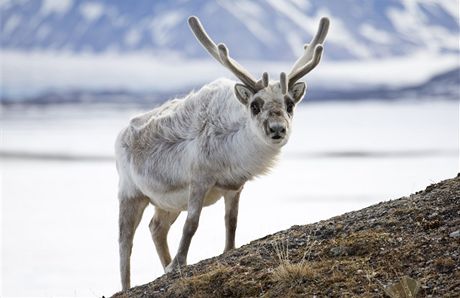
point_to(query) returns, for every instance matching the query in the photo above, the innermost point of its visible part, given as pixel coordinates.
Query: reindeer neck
(249, 153)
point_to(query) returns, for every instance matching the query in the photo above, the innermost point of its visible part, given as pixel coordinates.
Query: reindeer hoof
(174, 266)
(169, 268)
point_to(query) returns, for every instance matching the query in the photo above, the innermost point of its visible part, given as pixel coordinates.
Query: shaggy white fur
(190, 152)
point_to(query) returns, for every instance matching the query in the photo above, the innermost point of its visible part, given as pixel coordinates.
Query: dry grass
(289, 272)
(195, 284)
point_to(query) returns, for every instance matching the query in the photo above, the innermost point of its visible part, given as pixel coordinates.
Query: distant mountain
(441, 86)
(259, 29)
(445, 86)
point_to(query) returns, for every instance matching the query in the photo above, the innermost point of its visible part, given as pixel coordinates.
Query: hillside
(412, 241)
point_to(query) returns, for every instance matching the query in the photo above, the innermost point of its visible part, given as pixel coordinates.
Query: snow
(246, 7)
(59, 7)
(413, 25)
(297, 17)
(248, 13)
(133, 37)
(95, 72)
(144, 72)
(408, 22)
(303, 5)
(161, 25)
(5, 3)
(385, 72)
(12, 23)
(442, 36)
(59, 219)
(375, 35)
(291, 12)
(337, 32)
(294, 41)
(451, 6)
(91, 11)
(43, 31)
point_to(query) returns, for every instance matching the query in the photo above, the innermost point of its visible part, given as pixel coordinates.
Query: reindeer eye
(256, 105)
(289, 106)
(255, 109)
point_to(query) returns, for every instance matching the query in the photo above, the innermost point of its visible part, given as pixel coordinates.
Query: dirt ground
(390, 249)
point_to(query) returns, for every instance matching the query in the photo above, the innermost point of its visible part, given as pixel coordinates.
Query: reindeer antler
(312, 55)
(221, 54)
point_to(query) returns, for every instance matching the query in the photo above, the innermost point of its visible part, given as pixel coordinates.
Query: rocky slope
(394, 248)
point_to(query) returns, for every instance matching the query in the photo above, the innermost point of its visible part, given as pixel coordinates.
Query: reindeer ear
(243, 93)
(298, 91)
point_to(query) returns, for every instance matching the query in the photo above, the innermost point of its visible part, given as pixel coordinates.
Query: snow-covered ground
(59, 217)
(47, 71)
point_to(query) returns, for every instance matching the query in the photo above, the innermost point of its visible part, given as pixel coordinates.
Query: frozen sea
(59, 184)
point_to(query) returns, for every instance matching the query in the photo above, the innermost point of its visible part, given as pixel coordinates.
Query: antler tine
(236, 68)
(313, 52)
(283, 83)
(203, 37)
(265, 79)
(294, 77)
(220, 53)
(263, 82)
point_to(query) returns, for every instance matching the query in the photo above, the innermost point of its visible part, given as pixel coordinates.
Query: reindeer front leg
(198, 191)
(232, 199)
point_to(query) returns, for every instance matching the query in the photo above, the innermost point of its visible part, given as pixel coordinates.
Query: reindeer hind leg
(131, 210)
(159, 228)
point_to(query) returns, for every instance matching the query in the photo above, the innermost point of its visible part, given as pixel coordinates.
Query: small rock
(455, 234)
(337, 251)
(434, 214)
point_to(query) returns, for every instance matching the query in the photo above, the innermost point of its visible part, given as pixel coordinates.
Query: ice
(59, 217)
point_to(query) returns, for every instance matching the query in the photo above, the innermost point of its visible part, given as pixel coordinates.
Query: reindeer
(190, 152)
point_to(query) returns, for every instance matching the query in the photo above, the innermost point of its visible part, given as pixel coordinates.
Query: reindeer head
(269, 104)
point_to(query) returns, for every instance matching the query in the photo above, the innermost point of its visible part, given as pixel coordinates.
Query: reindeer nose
(277, 131)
